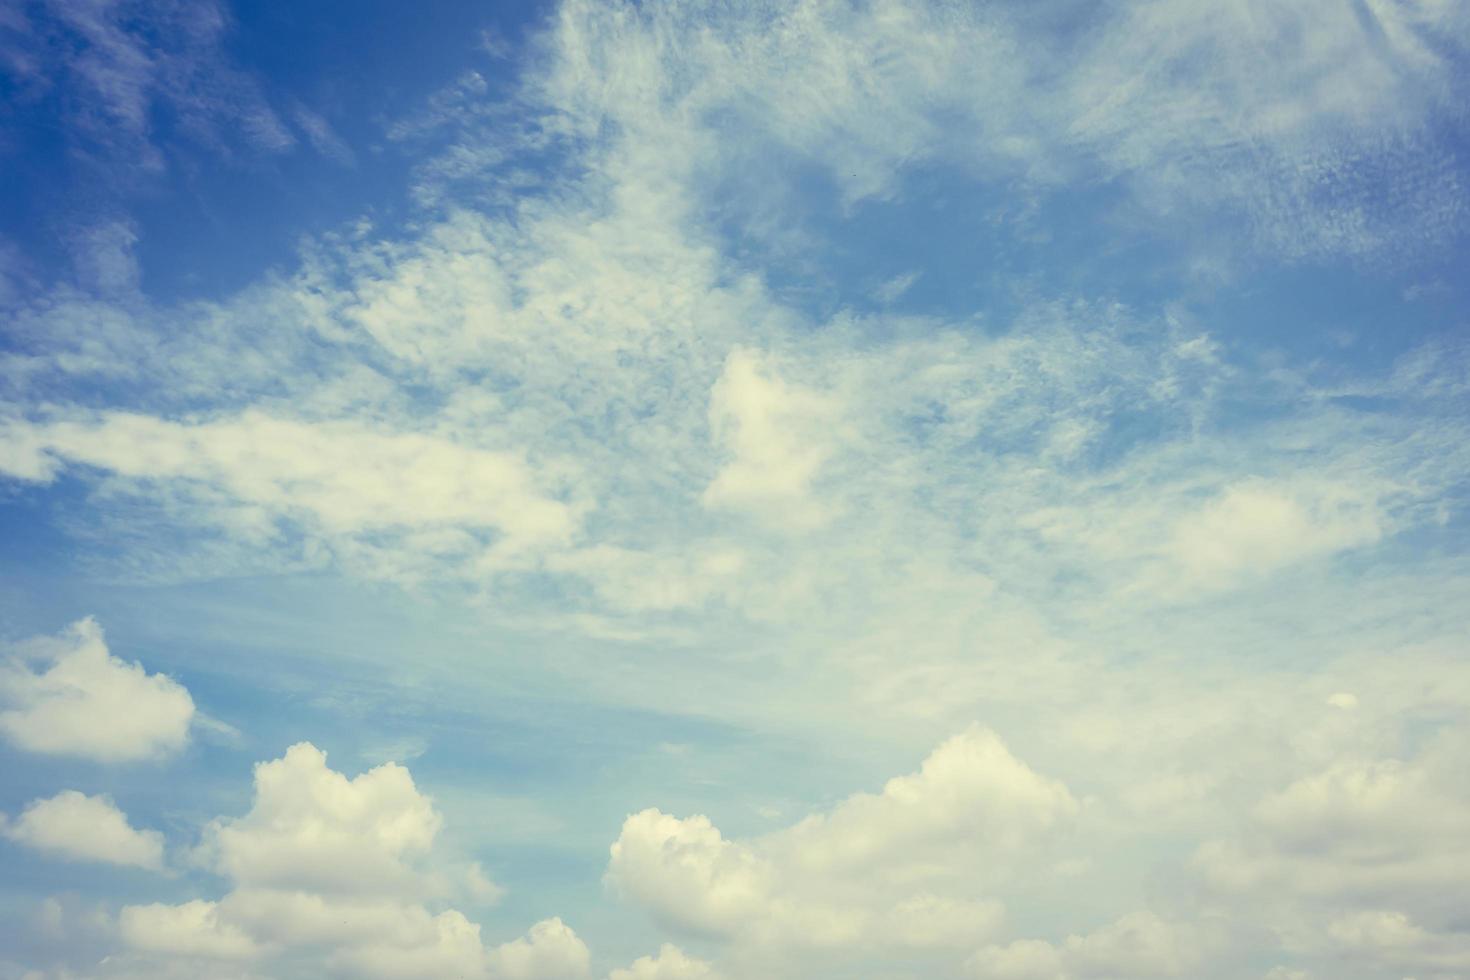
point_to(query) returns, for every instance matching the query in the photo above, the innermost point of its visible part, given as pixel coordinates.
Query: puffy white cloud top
(86, 702)
(329, 873)
(85, 828)
(671, 963)
(910, 868)
(313, 828)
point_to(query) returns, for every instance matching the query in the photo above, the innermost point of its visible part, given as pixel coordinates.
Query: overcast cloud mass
(602, 490)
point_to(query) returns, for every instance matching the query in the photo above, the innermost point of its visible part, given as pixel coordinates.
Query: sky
(604, 490)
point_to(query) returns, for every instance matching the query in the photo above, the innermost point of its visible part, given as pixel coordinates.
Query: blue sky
(668, 491)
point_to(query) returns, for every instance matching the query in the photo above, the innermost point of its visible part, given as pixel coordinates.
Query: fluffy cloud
(314, 829)
(773, 433)
(671, 963)
(1365, 857)
(687, 874)
(970, 792)
(899, 869)
(1137, 945)
(327, 873)
(550, 951)
(190, 929)
(89, 703)
(85, 828)
(1359, 828)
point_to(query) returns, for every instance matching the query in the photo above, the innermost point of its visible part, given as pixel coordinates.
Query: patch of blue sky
(220, 209)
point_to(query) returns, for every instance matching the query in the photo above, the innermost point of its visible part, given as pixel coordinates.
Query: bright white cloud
(907, 868)
(685, 872)
(88, 703)
(550, 951)
(774, 435)
(78, 827)
(448, 945)
(671, 963)
(313, 828)
(327, 873)
(190, 929)
(971, 792)
(341, 477)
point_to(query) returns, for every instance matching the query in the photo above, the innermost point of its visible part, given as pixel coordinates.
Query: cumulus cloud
(906, 868)
(970, 791)
(78, 827)
(550, 951)
(191, 929)
(1139, 944)
(1366, 856)
(670, 963)
(684, 871)
(312, 828)
(88, 703)
(331, 873)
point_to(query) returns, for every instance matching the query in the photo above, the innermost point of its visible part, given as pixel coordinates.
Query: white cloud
(671, 963)
(1274, 120)
(1254, 527)
(448, 946)
(313, 828)
(907, 868)
(85, 828)
(340, 477)
(971, 791)
(1358, 828)
(332, 874)
(550, 951)
(89, 703)
(190, 929)
(686, 873)
(1394, 940)
(1139, 944)
(1362, 857)
(771, 431)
